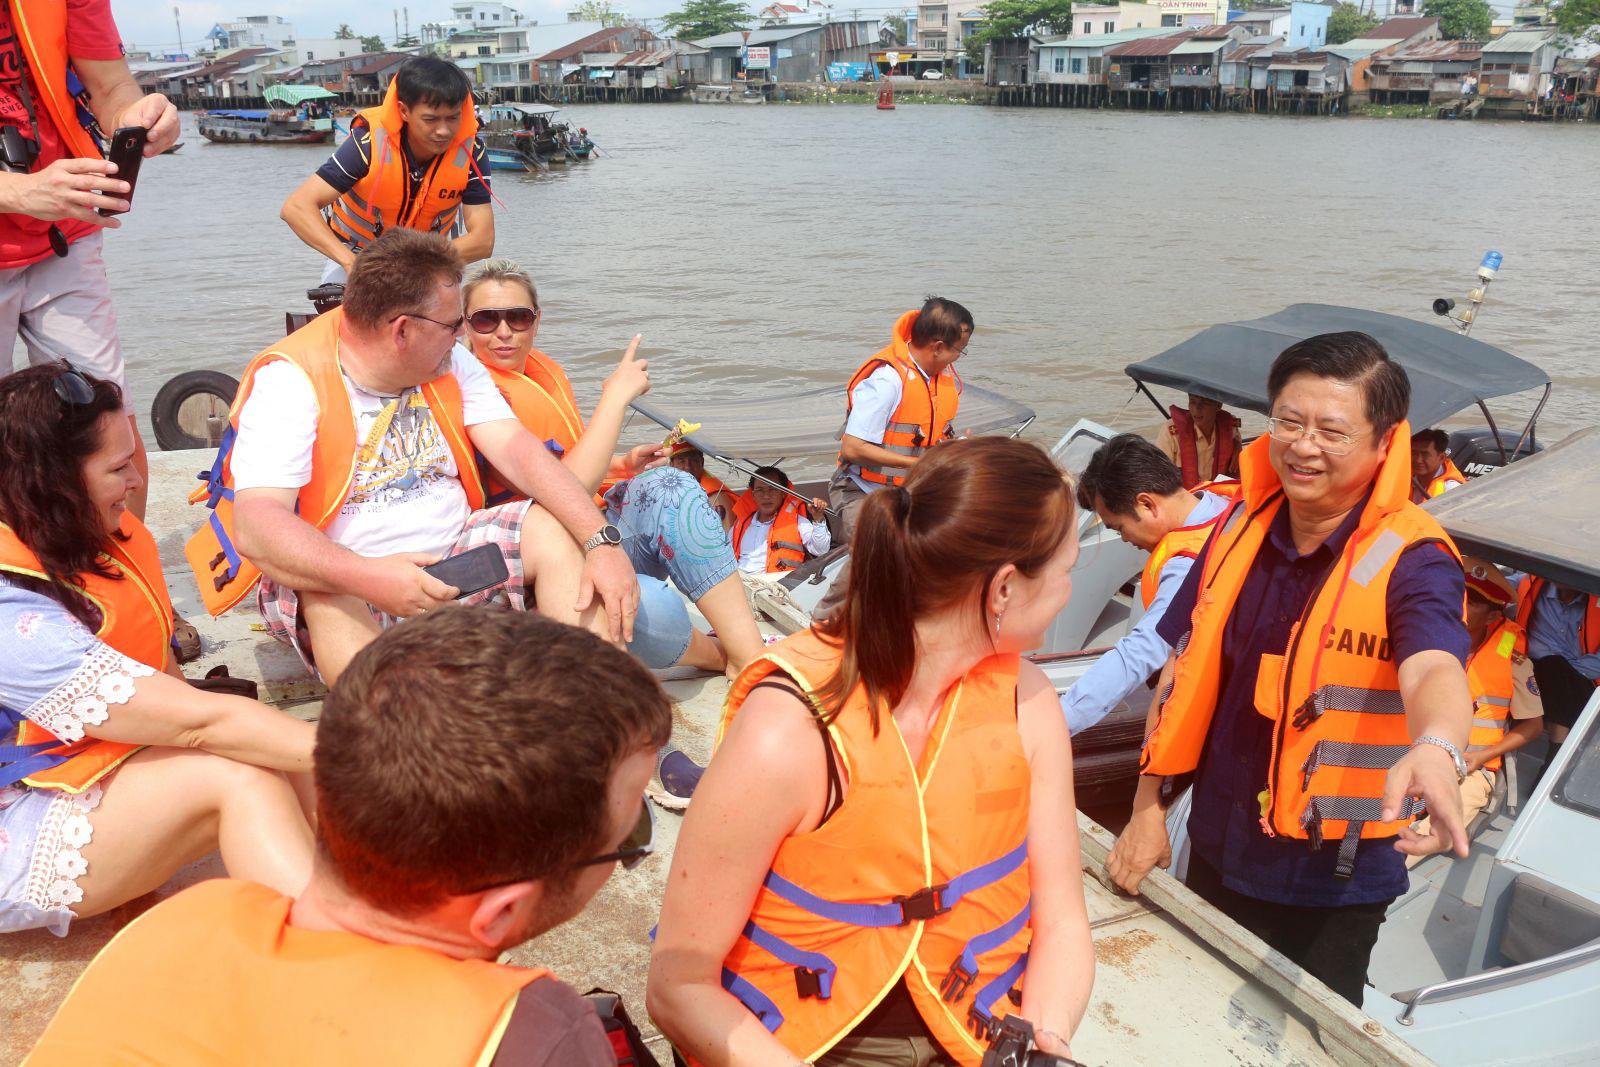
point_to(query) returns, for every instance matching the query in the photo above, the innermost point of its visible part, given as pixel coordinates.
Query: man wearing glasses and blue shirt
(480, 774)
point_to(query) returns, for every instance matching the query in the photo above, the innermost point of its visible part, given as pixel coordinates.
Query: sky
(149, 24)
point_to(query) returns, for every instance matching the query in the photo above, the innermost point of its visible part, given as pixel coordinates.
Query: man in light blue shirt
(1564, 646)
(1138, 492)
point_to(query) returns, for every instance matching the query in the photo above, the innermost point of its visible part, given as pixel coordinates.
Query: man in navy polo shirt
(1319, 693)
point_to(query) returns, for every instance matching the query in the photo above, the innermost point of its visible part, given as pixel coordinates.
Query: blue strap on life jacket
(921, 905)
(213, 477)
(19, 761)
(979, 1018)
(964, 971)
(484, 466)
(813, 972)
(759, 1004)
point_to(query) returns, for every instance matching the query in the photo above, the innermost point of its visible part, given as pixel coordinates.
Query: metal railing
(1503, 978)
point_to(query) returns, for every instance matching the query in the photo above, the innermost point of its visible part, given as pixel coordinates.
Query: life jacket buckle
(982, 1024)
(1306, 713)
(221, 580)
(218, 560)
(807, 982)
(924, 904)
(917, 440)
(957, 980)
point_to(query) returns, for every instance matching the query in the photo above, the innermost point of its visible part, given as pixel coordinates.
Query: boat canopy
(1537, 514)
(523, 109)
(803, 424)
(296, 94)
(1448, 371)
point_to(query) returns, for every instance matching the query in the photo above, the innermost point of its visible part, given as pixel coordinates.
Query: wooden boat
(261, 126)
(531, 133)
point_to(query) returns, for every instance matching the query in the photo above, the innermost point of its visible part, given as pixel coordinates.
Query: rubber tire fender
(164, 410)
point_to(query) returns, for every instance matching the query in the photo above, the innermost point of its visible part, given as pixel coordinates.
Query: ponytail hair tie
(903, 499)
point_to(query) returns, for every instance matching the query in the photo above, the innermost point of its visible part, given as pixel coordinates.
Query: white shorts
(60, 307)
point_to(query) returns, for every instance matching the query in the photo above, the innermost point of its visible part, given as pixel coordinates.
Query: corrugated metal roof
(646, 57)
(1199, 46)
(1244, 52)
(1353, 50)
(1151, 46)
(1520, 41)
(1437, 50)
(1223, 30)
(1102, 40)
(765, 35)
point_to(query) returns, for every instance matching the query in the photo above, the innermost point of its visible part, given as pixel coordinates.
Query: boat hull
(246, 131)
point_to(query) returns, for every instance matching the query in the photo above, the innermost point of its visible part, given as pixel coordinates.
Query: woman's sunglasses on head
(488, 320)
(71, 387)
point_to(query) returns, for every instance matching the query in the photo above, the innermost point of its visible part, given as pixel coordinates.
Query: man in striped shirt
(433, 97)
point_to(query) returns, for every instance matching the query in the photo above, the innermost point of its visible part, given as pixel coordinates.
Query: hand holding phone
(127, 152)
(472, 571)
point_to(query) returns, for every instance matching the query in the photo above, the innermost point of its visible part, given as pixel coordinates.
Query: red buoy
(886, 96)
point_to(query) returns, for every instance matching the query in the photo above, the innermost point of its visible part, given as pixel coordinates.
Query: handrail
(1500, 978)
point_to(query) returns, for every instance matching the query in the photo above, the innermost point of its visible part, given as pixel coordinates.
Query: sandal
(185, 639)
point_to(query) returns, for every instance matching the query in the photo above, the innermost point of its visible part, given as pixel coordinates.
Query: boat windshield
(1579, 786)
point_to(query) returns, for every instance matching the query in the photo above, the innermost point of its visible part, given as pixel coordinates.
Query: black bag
(626, 1040)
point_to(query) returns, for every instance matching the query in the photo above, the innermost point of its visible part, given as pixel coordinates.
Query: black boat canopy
(1537, 514)
(803, 424)
(1448, 372)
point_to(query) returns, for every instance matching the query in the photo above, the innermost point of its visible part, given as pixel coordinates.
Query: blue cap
(1492, 260)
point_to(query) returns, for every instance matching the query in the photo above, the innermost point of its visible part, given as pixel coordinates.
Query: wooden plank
(1348, 1035)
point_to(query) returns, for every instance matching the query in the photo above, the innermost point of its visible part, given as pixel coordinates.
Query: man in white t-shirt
(800, 531)
(328, 591)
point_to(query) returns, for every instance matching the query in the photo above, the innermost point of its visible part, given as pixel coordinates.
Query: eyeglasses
(488, 320)
(71, 387)
(453, 327)
(640, 842)
(1288, 432)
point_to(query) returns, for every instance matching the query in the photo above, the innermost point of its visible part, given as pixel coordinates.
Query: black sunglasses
(451, 326)
(640, 842)
(71, 387)
(488, 320)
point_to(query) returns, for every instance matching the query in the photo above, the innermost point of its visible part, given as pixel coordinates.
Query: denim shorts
(670, 530)
(661, 629)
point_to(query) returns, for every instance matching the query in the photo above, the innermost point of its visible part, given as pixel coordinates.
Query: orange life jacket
(927, 408)
(1334, 694)
(541, 398)
(216, 974)
(1449, 472)
(224, 575)
(920, 875)
(41, 29)
(1183, 541)
(1225, 435)
(1489, 677)
(1528, 590)
(382, 198)
(786, 549)
(135, 619)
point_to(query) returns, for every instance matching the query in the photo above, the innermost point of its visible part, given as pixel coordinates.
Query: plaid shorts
(502, 525)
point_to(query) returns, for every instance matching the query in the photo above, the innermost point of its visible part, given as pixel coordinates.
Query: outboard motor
(1476, 452)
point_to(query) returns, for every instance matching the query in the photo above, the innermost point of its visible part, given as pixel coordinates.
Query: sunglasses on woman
(71, 387)
(488, 320)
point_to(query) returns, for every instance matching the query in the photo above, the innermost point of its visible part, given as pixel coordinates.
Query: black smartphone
(471, 571)
(127, 152)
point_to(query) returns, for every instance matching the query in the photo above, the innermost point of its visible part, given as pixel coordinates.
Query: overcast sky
(149, 24)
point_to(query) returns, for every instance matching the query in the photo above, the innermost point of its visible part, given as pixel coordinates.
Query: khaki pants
(919, 1051)
(845, 498)
(1476, 789)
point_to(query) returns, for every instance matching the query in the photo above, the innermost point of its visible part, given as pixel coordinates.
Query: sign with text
(758, 57)
(847, 72)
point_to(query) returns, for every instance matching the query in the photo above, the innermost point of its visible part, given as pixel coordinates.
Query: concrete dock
(1160, 995)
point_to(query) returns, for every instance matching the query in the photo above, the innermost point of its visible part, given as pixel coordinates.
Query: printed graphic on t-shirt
(12, 111)
(404, 458)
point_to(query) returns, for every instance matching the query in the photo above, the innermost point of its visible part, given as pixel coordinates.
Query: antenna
(179, 24)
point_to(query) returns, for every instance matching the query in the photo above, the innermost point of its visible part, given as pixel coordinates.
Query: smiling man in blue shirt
(1138, 492)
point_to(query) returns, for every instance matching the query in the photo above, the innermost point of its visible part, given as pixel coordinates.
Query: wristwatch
(606, 535)
(1455, 753)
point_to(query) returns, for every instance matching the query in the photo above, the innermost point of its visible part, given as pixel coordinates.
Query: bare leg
(141, 463)
(704, 652)
(166, 807)
(340, 626)
(552, 564)
(726, 609)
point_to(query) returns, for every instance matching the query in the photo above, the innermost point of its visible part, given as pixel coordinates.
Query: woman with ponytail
(882, 860)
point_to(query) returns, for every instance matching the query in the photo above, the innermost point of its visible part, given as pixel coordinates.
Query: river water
(762, 246)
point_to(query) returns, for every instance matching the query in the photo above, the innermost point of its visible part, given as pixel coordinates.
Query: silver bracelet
(1455, 753)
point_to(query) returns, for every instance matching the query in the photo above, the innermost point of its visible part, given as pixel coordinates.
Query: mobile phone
(471, 571)
(127, 152)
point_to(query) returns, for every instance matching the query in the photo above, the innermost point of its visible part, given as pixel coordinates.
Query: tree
(1579, 20)
(373, 43)
(344, 32)
(599, 11)
(1013, 18)
(1348, 22)
(896, 24)
(707, 18)
(1460, 20)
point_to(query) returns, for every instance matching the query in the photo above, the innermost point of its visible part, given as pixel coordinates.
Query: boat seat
(1542, 919)
(811, 569)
